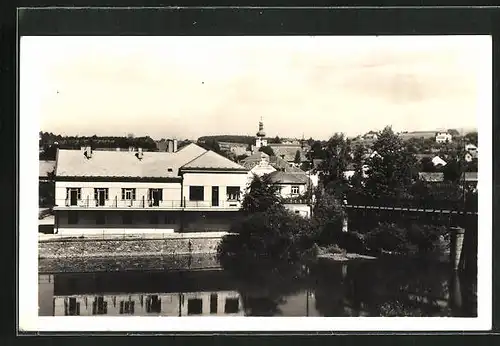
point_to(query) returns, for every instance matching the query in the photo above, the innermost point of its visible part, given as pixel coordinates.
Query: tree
(241, 157)
(334, 164)
(297, 158)
(471, 138)
(426, 165)
(393, 170)
(262, 195)
(267, 150)
(317, 151)
(277, 140)
(211, 144)
(268, 230)
(358, 162)
(452, 170)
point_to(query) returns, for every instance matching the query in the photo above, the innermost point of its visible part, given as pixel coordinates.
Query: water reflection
(377, 288)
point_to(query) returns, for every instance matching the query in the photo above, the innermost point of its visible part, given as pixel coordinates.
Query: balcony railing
(224, 204)
(117, 203)
(296, 199)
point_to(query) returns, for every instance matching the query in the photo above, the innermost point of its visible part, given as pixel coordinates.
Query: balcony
(224, 204)
(144, 204)
(296, 199)
(116, 203)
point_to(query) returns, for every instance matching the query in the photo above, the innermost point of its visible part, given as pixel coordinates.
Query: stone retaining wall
(76, 248)
(143, 263)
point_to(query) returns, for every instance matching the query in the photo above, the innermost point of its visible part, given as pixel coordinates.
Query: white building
(191, 189)
(292, 187)
(443, 137)
(438, 162)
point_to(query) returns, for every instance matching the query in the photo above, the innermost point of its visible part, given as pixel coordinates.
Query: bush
(389, 237)
(273, 234)
(425, 237)
(334, 249)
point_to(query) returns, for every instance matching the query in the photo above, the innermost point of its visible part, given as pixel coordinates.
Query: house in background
(431, 177)
(443, 137)
(471, 152)
(190, 189)
(438, 162)
(292, 188)
(257, 164)
(405, 135)
(470, 147)
(292, 181)
(285, 151)
(471, 156)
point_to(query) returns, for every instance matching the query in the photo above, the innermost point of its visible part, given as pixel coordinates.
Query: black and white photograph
(311, 180)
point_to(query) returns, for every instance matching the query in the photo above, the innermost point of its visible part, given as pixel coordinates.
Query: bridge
(458, 214)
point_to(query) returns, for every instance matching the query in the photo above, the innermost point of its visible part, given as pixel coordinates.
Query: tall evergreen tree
(392, 169)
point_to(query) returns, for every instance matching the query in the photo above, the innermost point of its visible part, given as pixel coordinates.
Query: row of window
(196, 193)
(127, 218)
(153, 305)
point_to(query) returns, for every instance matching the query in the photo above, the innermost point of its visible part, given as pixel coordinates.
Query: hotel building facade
(186, 190)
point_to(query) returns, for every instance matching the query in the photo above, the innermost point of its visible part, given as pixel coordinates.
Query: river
(383, 287)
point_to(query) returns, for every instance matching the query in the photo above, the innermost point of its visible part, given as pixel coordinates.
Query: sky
(186, 87)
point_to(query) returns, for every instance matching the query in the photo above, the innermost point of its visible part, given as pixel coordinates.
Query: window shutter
(160, 194)
(123, 194)
(133, 194)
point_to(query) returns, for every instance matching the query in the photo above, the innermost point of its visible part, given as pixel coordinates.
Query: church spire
(261, 132)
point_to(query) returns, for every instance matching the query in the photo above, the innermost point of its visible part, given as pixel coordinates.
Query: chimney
(170, 146)
(87, 152)
(175, 145)
(139, 153)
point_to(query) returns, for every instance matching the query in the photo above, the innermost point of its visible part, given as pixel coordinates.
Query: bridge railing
(469, 203)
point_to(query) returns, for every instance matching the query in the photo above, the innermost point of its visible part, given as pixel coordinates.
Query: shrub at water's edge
(268, 230)
(273, 234)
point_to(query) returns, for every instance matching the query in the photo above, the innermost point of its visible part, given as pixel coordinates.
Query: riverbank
(130, 263)
(339, 257)
(90, 247)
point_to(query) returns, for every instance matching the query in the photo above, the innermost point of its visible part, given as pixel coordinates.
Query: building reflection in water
(164, 304)
(331, 290)
(63, 295)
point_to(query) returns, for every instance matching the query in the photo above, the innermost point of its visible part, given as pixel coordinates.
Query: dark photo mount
(243, 21)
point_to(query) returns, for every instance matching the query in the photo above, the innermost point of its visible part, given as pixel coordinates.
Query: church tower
(259, 139)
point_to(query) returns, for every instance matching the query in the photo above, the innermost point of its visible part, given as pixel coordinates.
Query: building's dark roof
(280, 177)
(288, 151)
(317, 162)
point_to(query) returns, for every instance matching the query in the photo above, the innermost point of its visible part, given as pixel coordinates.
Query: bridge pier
(345, 224)
(457, 240)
